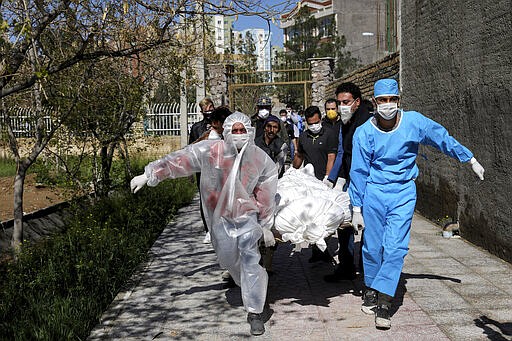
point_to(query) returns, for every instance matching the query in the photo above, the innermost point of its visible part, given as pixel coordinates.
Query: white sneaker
(207, 239)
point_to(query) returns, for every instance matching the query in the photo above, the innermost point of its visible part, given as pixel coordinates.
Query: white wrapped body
(307, 209)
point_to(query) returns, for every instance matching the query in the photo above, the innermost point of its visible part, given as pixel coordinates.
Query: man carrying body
(238, 189)
(317, 146)
(272, 144)
(353, 113)
(383, 192)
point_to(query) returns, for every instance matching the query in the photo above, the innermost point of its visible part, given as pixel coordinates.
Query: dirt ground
(35, 197)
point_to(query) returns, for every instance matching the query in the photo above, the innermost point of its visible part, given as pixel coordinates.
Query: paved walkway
(450, 290)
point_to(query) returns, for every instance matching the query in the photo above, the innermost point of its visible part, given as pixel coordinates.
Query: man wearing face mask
(199, 128)
(263, 111)
(353, 113)
(197, 131)
(383, 192)
(238, 188)
(291, 130)
(332, 118)
(316, 146)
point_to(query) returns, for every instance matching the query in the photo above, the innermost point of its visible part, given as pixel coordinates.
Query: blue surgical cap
(385, 87)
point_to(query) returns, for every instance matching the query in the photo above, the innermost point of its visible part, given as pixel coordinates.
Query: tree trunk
(17, 234)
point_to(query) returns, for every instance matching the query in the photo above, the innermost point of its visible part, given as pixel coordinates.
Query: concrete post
(219, 81)
(322, 74)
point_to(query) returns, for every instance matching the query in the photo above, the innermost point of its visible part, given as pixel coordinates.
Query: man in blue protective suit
(383, 193)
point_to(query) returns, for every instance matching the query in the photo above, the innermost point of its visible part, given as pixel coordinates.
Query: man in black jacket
(199, 128)
(196, 131)
(353, 111)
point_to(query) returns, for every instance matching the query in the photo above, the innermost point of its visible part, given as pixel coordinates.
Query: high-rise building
(370, 27)
(259, 39)
(222, 33)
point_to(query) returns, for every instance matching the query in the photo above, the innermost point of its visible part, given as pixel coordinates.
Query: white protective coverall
(237, 193)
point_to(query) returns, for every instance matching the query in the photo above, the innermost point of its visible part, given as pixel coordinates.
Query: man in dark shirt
(263, 111)
(332, 118)
(274, 146)
(196, 131)
(317, 146)
(353, 113)
(199, 128)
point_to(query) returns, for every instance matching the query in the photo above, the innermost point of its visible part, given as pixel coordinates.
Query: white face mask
(387, 110)
(315, 128)
(345, 113)
(263, 113)
(283, 118)
(239, 140)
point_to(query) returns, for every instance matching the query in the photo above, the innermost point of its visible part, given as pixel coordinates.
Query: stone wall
(456, 69)
(322, 73)
(387, 67)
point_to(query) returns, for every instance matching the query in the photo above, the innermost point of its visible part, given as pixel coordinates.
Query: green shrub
(59, 288)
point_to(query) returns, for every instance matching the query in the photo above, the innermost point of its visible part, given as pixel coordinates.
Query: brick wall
(365, 77)
(456, 69)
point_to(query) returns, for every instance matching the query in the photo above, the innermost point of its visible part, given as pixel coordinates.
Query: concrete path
(450, 290)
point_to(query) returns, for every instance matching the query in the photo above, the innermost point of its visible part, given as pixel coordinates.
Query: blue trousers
(387, 213)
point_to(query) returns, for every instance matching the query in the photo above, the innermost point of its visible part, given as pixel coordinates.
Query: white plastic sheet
(308, 210)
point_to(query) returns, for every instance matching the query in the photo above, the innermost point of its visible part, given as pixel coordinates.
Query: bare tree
(39, 39)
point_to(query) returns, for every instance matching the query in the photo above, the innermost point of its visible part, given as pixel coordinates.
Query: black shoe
(341, 274)
(256, 322)
(320, 257)
(369, 301)
(382, 317)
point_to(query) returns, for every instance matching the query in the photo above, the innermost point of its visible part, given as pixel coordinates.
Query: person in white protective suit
(238, 187)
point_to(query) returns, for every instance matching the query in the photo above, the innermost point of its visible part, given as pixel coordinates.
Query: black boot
(383, 313)
(256, 322)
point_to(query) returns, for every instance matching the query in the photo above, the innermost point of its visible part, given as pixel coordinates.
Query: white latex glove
(327, 182)
(357, 218)
(268, 238)
(477, 168)
(138, 182)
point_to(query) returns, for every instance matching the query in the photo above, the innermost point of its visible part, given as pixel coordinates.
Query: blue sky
(245, 22)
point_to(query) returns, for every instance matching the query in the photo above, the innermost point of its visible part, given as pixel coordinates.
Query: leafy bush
(59, 288)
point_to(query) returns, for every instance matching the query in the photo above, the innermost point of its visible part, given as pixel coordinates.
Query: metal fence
(164, 118)
(23, 121)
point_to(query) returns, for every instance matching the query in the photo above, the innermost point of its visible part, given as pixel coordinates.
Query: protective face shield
(331, 114)
(237, 140)
(315, 128)
(263, 113)
(387, 110)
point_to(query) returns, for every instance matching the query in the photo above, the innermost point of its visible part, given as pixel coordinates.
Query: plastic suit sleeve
(184, 162)
(360, 169)
(335, 170)
(437, 136)
(281, 157)
(265, 193)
